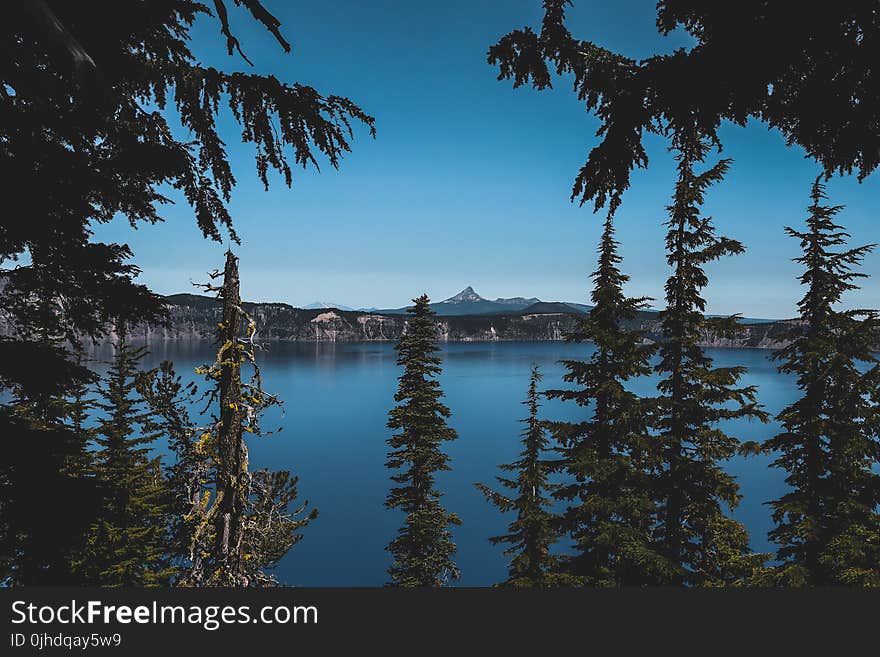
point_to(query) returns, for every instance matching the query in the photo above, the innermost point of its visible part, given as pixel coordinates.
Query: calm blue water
(336, 401)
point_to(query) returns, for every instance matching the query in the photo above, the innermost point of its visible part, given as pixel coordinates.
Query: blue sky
(467, 181)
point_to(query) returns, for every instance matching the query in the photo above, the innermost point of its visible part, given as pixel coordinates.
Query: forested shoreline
(194, 318)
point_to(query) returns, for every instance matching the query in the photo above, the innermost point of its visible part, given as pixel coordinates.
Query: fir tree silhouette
(828, 524)
(533, 532)
(608, 458)
(423, 548)
(128, 545)
(707, 547)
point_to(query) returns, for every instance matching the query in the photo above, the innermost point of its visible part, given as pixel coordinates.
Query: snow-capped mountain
(325, 304)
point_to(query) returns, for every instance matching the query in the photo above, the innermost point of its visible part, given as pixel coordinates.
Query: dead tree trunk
(232, 457)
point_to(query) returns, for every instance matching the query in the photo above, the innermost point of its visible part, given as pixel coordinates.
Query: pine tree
(423, 548)
(706, 547)
(828, 525)
(807, 74)
(170, 401)
(76, 409)
(241, 523)
(533, 532)
(608, 458)
(46, 447)
(91, 96)
(127, 546)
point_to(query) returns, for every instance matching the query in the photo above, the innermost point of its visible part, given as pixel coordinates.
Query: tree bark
(232, 455)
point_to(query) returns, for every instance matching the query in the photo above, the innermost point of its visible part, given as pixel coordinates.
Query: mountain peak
(467, 294)
(318, 305)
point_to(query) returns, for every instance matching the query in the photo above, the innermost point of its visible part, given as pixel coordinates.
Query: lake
(336, 399)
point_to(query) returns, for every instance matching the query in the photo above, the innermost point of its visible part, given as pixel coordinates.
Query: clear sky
(468, 180)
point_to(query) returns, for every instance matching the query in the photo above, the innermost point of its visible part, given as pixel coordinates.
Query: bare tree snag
(232, 456)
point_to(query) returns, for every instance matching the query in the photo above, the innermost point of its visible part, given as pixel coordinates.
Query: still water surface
(336, 399)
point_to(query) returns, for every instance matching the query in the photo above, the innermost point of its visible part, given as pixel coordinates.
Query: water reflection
(336, 398)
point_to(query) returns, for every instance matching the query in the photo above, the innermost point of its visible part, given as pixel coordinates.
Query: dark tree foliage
(534, 531)
(42, 371)
(170, 401)
(90, 95)
(828, 525)
(48, 496)
(127, 545)
(608, 458)
(240, 522)
(808, 73)
(423, 548)
(706, 547)
(92, 126)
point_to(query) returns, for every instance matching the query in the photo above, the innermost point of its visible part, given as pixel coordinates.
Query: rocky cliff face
(195, 318)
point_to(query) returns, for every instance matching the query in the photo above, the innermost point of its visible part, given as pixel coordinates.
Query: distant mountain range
(315, 305)
(468, 302)
(466, 317)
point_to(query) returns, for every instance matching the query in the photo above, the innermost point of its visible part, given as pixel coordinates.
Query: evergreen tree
(46, 448)
(423, 547)
(127, 546)
(533, 532)
(808, 74)
(76, 410)
(170, 401)
(240, 522)
(828, 525)
(706, 547)
(90, 96)
(608, 458)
